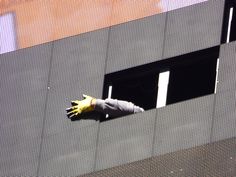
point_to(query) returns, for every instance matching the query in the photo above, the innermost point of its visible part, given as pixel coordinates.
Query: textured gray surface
(215, 159)
(227, 66)
(225, 104)
(193, 28)
(69, 153)
(183, 125)
(78, 66)
(23, 87)
(225, 116)
(19, 158)
(136, 43)
(220, 158)
(125, 139)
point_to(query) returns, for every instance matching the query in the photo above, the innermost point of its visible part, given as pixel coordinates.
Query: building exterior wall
(213, 159)
(37, 84)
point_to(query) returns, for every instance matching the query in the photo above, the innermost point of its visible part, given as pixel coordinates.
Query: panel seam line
(105, 68)
(45, 110)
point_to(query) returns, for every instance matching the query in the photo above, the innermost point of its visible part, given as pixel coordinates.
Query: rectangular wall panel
(125, 139)
(136, 43)
(23, 88)
(69, 153)
(225, 104)
(183, 125)
(193, 28)
(213, 159)
(225, 116)
(78, 66)
(20, 158)
(227, 66)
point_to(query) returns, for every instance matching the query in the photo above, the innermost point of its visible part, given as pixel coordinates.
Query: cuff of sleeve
(138, 109)
(99, 104)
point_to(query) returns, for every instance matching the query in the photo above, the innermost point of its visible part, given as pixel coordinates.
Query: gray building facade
(189, 138)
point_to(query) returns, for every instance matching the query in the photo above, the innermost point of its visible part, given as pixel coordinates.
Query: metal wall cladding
(77, 68)
(136, 43)
(183, 125)
(213, 159)
(70, 152)
(227, 65)
(23, 88)
(193, 28)
(125, 140)
(38, 83)
(225, 115)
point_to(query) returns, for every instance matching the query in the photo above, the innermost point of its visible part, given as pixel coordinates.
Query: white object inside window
(162, 89)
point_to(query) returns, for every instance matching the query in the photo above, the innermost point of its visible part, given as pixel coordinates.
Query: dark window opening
(229, 22)
(193, 78)
(137, 89)
(191, 75)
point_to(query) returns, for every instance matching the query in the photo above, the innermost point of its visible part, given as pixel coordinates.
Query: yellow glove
(79, 107)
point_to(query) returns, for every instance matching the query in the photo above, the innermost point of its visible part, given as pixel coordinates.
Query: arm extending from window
(113, 107)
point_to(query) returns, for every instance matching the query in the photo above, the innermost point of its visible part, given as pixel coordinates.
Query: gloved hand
(79, 107)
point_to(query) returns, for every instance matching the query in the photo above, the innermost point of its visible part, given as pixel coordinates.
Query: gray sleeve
(115, 107)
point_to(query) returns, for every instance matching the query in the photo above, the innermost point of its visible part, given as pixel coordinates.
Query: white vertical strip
(109, 96)
(162, 89)
(109, 91)
(217, 71)
(7, 33)
(229, 24)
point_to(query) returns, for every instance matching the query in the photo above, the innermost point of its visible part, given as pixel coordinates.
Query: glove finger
(71, 116)
(85, 96)
(73, 111)
(71, 108)
(74, 114)
(68, 113)
(74, 103)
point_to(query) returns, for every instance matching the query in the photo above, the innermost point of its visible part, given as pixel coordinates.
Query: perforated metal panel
(136, 43)
(215, 159)
(69, 153)
(225, 103)
(23, 89)
(183, 125)
(77, 68)
(193, 28)
(227, 66)
(125, 139)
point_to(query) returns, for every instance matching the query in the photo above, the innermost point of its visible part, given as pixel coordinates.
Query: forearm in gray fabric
(115, 107)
